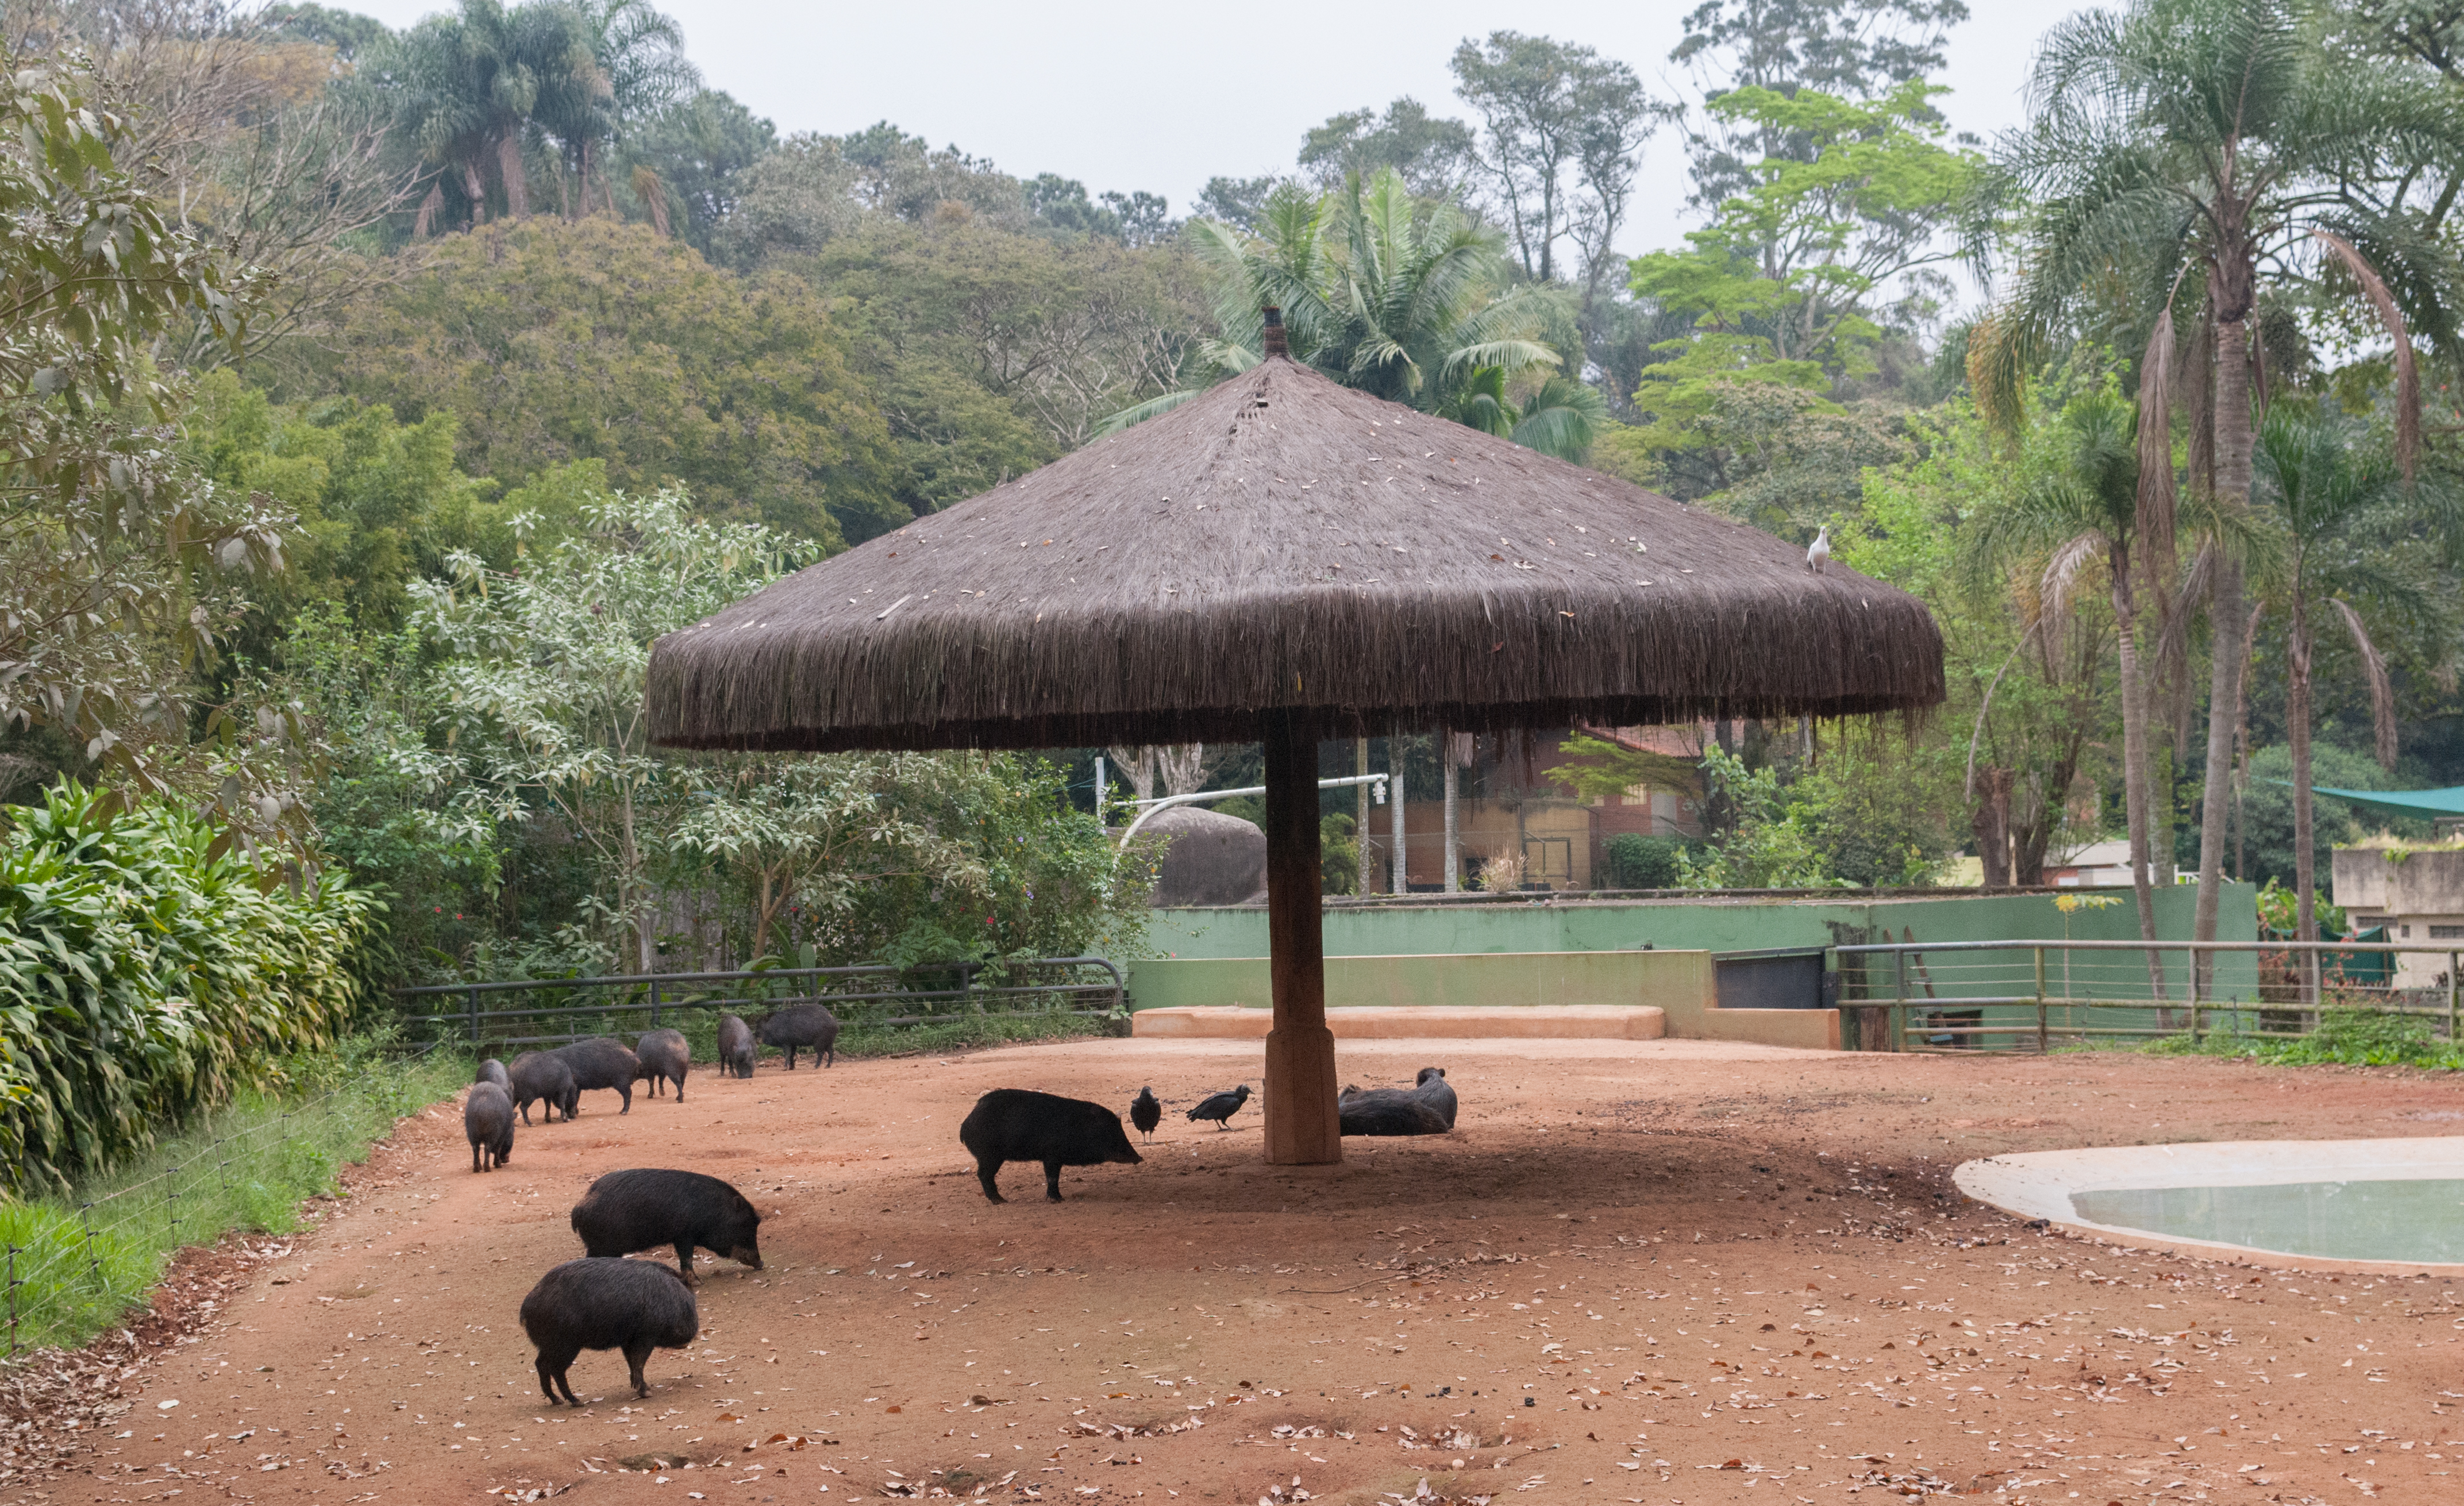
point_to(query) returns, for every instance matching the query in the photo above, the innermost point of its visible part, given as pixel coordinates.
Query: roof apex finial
(1276, 345)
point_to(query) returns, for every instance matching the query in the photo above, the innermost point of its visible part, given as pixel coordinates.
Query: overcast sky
(1156, 96)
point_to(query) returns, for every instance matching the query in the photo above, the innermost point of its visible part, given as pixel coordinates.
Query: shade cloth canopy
(2419, 804)
(1281, 560)
(1284, 544)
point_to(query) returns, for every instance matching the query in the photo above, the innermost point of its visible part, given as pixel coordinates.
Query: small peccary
(811, 1026)
(1015, 1124)
(664, 1054)
(736, 1048)
(542, 1075)
(644, 1210)
(493, 1070)
(1387, 1111)
(602, 1063)
(487, 1120)
(632, 1305)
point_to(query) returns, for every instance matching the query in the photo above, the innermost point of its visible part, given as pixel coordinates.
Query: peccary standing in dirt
(543, 1075)
(811, 1026)
(644, 1210)
(632, 1305)
(493, 1070)
(1426, 1109)
(1016, 1125)
(602, 1063)
(663, 1055)
(736, 1048)
(487, 1120)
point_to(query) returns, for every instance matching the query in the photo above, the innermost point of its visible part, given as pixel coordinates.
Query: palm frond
(2382, 689)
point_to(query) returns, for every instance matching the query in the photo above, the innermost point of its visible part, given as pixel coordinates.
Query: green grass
(2359, 1038)
(248, 1168)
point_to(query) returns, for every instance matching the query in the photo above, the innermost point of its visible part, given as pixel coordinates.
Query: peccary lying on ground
(663, 1055)
(1016, 1125)
(602, 1063)
(811, 1026)
(632, 1305)
(735, 1049)
(543, 1075)
(1427, 1108)
(643, 1210)
(487, 1120)
(493, 1070)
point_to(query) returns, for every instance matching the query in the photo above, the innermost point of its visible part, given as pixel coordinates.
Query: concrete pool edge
(2038, 1184)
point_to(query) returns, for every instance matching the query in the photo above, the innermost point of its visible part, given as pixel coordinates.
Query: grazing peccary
(543, 1075)
(487, 1120)
(1145, 1112)
(1016, 1125)
(811, 1026)
(601, 1063)
(736, 1048)
(1221, 1108)
(632, 1305)
(643, 1210)
(663, 1055)
(493, 1070)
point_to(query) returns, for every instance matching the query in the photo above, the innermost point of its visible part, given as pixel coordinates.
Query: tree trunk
(2297, 723)
(1454, 833)
(1302, 1127)
(1992, 823)
(508, 167)
(2232, 440)
(2134, 757)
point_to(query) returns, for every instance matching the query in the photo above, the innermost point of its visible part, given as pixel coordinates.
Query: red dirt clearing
(1663, 1271)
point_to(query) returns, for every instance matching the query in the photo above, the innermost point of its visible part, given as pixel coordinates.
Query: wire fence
(2040, 995)
(509, 1015)
(75, 1264)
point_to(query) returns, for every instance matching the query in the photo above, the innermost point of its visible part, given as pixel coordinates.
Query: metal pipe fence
(2034, 995)
(535, 1011)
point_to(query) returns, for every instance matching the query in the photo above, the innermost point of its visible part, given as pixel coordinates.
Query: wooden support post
(1303, 1127)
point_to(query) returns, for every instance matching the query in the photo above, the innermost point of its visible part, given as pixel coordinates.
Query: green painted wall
(1745, 924)
(1679, 981)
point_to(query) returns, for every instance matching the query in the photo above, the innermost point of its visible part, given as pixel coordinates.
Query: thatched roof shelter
(1284, 559)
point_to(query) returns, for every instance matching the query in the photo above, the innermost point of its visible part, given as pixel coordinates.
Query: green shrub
(149, 972)
(1646, 863)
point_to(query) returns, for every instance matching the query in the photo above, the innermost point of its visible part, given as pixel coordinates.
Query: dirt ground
(1663, 1272)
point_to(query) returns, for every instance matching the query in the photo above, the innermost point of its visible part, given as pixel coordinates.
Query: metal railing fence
(529, 1011)
(2031, 996)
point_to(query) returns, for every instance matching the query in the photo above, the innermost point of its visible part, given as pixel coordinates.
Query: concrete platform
(1415, 1022)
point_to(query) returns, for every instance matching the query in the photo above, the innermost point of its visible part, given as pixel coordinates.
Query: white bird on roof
(1818, 553)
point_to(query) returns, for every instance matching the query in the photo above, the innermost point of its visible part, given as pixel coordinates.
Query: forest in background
(484, 351)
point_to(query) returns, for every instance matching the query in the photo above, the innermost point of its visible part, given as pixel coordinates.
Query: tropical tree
(2356, 542)
(2183, 154)
(468, 87)
(1400, 296)
(2083, 509)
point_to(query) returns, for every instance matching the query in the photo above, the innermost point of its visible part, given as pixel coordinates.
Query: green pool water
(2414, 1220)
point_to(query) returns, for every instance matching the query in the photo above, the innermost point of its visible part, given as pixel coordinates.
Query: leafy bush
(2358, 1037)
(148, 971)
(1771, 848)
(1647, 863)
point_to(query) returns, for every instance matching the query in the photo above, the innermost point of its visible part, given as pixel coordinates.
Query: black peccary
(644, 1210)
(488, 1121)
(602, 1063)
(543, 1075)
(1145, 1112)
(1432, 1088)
(1016, 1125)
(662, 1057)
(632, 1305)
(1221, 1106)
(736, 1048)
(811, 1026)
(493, 1070)
(1387, 1111)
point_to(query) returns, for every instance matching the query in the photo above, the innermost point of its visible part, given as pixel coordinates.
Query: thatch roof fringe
(1283, 542)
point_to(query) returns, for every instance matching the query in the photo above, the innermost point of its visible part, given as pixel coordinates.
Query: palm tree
(641, 69)
(2175, 149)
(2083, 508)
(1401, 296)
(2353, 537)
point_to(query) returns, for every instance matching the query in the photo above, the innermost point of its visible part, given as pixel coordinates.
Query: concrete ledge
(1415, 1022)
